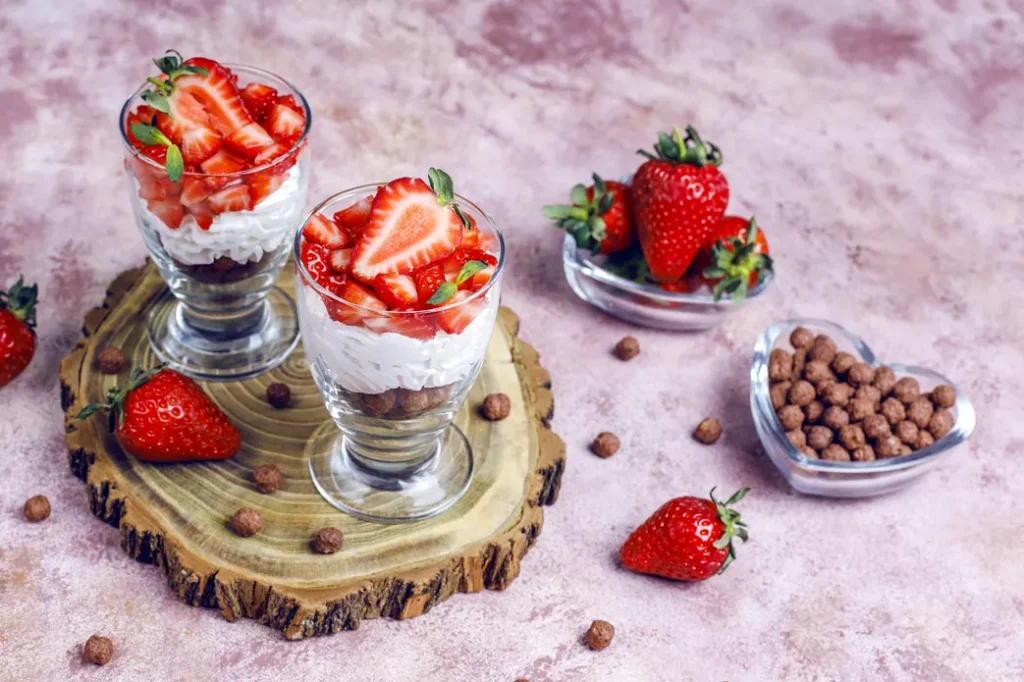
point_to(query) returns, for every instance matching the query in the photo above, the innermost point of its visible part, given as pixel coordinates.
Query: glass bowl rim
(761, 398)
(130, 148)
(372, 187)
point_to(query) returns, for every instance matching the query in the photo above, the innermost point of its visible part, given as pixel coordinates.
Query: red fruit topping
(479, 279)
(410, 226)
(248, 141)
(355, 217)
(234, 198)
(157, 188)
(285, 124)
(194, 190)
(157, 152)
(340, 259)
(144, 115)
(170, 211)
(222, 163)
(454, 320)
(462, 255)
(189, 127)
(397, 291)
(361, 296)
(413, 326)
(202, 214)
(290, 102)
(258, 99)
(427, 281)
(263, 184)
(270, 153)
(358, 295)
(322, 230)
(216, 93)
(315, 258)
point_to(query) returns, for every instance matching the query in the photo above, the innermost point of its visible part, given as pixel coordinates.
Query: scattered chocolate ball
(605, 445)
(943, 396)
(888, 446)
(627, 349)
(37, 508)
(824, 349)
(268, 478)
(940, 423)
(497, 406)
(327, 540)
(780, 365)
(279, 395)
(885, 380)
(797, 437)
(920, 411)
(835, 417)
(906, 431)
(820, 437)
(98, 650)
(861, 374)
(802, 337)
(708, 431)
(247, 522)
(869, 393)
(799, 361)
(801, 393)
(835, 453)
(808, 451)
(111, 360)
(778, 393)
(864, 453)
(600, 635)
(842, 363)
(837, 394)
(852, 437)
(813, 411)
(860, 408)
(875, 426)
(924, 439)
(893, 411)
(816, 370)
(906, 390)
(791, 417)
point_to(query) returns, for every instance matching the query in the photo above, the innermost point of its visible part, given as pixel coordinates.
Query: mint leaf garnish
(147, 134)
(443, 293)
(175, 164)
(157, 100)
(468, 269)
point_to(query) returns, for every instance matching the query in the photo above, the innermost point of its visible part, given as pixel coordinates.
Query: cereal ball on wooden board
(885, 380)
(820, 437)
(876, 426)
(708, 431)
(247, 522)
(801, 393)
(835, 417)
(279, 395)
(779, 393)
(943, 396)
(842, 363)
(906, 390)
(780, 365)
(327, 540)
(824, 349)
(268, 478)
(111, 360)
(940, 423)
(835, 453)
(791, 417)
(893, 410)
(861, 374)
(496, 406)
(920, 411)
(801, 337)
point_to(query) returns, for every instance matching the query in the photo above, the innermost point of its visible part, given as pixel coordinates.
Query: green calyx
(629, 264)
(442, 185)
(733, 261)
(20, 301)
(734, 527)
(583, 218)
(173, 66)
(691, 150)
(116, 395)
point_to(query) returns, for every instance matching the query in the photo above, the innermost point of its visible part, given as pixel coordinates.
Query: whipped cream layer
(366, 362)
(242, 236)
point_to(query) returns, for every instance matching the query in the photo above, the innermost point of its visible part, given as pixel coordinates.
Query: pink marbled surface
(881, 147)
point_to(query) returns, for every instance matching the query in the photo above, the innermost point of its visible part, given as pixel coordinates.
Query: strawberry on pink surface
(322, 230)
(398, 291)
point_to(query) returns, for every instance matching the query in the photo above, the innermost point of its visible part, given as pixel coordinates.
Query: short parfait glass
(219, 241)
(393, 382)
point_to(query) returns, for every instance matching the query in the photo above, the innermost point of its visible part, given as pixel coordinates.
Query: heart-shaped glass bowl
(646, 304)
(845, 479)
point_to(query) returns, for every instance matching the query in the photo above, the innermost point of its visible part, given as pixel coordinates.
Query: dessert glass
(222, 317)
(398, 456)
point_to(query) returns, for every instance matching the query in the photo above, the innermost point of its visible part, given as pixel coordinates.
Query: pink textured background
(881, 148)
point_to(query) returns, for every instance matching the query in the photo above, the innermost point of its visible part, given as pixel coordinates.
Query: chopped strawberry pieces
(285, 124)
(396, 290)
(289, 101)
(189, 127)
(413, 326)
(461, 314)
(479, 279)
(157, 152)
(322, 230)
(315, 257)
(340, 259)
(462, 256)
(169, 211)
(217, 94)
(427, 282)
(258, 99)
(199, 144)
(355, 217)
(263, 184)
(202, 214)
(233, 198)
(222, 163)
(363, 301)
(249, 140)
(270, 153)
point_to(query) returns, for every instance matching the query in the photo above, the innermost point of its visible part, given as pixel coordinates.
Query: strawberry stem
(691, 150)
(442, 185)
(734, 527)
(113, 402)
(734, 261)
(583, 218)
(20, 301)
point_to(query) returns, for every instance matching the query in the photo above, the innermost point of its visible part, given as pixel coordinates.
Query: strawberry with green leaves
(734, 257)
(17, 329)
(600, 218)
(679, 196)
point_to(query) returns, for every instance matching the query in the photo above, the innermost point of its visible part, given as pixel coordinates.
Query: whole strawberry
(688, 538)
(678, 197)
(734, 257)
(160, 415)
(600, 218)
(17, 329)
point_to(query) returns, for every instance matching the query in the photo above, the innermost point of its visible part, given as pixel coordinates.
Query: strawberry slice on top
(322, 230)
(216, 93)
(412, 224)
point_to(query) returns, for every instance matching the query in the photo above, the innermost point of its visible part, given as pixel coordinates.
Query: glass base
(390, 497)
(268, 337)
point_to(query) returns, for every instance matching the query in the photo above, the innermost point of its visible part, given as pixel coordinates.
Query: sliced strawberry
(268, 154)
(249, 140)
(455, 320)
(290, 102)
(217, 95)
(479, 279)
(408, 229)
(339, 260)
(413, 326)
(359, 296)
(221, 163)
(199, 144)
(169, 211)
(285, 124)
(156, 188)
(263, 184)
(322, 230)
(315, 258)
(463, 255)
(427, 281)
(397, 291)
(142, 114)
(202, 214)
(194, 190)
(157, 152)
(233, 198)
(258, 99)
(355, 217)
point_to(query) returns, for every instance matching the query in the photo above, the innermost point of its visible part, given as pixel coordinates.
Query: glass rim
(293, 150)
(373, 186)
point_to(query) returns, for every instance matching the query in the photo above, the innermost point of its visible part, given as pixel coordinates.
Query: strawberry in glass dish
(600, 218)
(734, 258)
(218, 165)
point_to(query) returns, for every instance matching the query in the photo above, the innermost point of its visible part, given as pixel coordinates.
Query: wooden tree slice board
(175, 516)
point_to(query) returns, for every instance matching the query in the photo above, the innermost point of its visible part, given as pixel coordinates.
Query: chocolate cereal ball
(779, 393)
(98, 650)
(802, 337)
(875, 426)
(816, 370)
(842, 363)
(808, 451)
(824, 349)
(837, 394)
(885, 379)
(943, 396)
(888, 446)
(852, 437)
(869, 393)
(780, 365)
(799, 361)
(813, 411)
(861, 374)
(905, 449)
(864, 453)
(859, 408)
(940, 423)
(247, 522)
(797, 437)
(893, 411)
(820, 437)
(708, 431)
(906, 390)
(924, 439)
(920, 411)
(791, 417)
(835, 453)
(906, 431)
(801, 393)
(835, 417)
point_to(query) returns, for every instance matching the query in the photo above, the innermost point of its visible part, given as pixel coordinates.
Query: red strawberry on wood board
(600, 218)
(679, 196)
(17, 329)
(160, 415)
(688, 538)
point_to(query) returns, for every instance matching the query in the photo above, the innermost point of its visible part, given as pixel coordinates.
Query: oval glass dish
(845, 479)
(644, 304)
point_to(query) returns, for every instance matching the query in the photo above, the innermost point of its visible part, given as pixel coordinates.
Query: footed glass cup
(393, 383)
(222, 318)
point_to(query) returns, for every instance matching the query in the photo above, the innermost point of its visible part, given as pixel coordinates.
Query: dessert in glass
(397, 287)
(218, 169)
